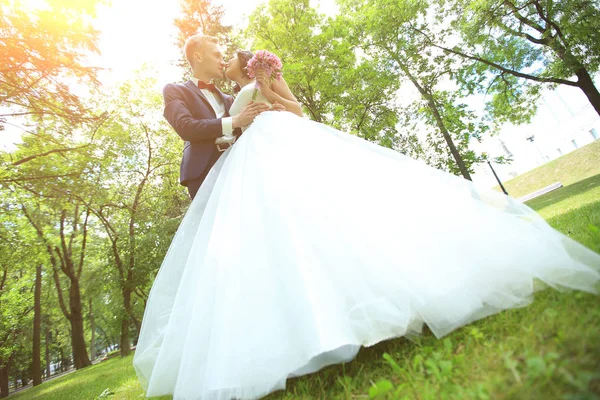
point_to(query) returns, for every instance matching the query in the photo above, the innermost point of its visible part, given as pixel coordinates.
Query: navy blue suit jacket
(193, 118)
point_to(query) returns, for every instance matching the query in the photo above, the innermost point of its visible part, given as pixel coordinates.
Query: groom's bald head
(198, 44)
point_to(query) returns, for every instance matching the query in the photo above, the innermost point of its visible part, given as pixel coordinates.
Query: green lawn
(116, 375)
(548, 350)
(568, 169)
(572, 209)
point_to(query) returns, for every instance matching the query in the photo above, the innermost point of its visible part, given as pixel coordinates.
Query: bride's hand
(264, 85)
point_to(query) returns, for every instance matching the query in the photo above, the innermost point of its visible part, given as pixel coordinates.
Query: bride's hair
(243, 56)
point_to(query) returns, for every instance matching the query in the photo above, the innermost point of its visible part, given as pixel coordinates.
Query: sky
(131, 36)
(134, 32)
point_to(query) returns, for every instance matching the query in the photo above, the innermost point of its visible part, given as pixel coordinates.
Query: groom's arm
(178, 114)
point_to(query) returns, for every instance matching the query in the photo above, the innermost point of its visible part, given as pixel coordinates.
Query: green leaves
(43, 51)
(398, 36)
(512, 49)
(334, 81)
(122, 174)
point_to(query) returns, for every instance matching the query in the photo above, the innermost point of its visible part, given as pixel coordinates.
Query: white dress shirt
(217, 104)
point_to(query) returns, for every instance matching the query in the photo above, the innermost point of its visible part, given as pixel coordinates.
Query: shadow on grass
(558, 195)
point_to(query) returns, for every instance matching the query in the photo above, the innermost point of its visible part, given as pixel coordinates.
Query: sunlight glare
(30, 5)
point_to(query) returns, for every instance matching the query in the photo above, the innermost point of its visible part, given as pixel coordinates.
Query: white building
(564, 122)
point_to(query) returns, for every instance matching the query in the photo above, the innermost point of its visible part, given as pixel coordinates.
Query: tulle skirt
(305, 243)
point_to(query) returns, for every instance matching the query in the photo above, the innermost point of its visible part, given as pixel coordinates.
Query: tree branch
(33, 157)
(523, 19)
(3, 281)
(36, 178)
(83, 243)
(63, 265)
(61, 300)
(140, 293)
(53, 260)
(74, 232)
(498, 66)
(543, 41)
(66, 256)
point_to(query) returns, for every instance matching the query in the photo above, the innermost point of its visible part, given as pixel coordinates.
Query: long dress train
(305, 243)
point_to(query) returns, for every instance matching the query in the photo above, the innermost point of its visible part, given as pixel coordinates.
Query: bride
(305, 243)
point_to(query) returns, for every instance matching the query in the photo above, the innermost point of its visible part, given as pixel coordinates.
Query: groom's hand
(248, 113)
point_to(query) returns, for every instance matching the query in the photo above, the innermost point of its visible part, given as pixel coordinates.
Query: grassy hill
(568, 169)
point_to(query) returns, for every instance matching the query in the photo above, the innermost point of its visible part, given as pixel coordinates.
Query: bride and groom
(203, 116)
(304, 243)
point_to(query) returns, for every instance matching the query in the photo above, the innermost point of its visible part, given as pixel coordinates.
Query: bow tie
(209, 86)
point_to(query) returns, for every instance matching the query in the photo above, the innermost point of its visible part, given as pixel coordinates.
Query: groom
(199, 112)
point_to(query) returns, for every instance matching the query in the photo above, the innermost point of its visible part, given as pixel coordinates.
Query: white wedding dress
(305, 243)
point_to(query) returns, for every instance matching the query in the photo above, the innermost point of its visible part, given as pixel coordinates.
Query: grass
(573, 210)
(116, 375)
(550, 349)
(568, 169)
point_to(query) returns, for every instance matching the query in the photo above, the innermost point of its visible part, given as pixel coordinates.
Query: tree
(61, 224)
(67, 255)
(332, 83)
(386, 29)
(17, 299)
(37, 328)
(515, 46)
(138, 160)
(43, 53)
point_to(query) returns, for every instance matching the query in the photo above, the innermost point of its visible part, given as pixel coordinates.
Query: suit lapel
(196, 89)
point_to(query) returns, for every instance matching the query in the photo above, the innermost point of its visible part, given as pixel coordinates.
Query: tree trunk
(80, 355)
(584, 80)
(453, 150)
(125, 347)
(37, 329)
(65, 263)
(124, 343)
(48, 360)
(127, 305)
(93, 328)
(3, 382)
(439, 121)
(586, 84)
(62, 359)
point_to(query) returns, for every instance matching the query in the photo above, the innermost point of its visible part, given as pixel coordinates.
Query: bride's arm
(278, 91)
